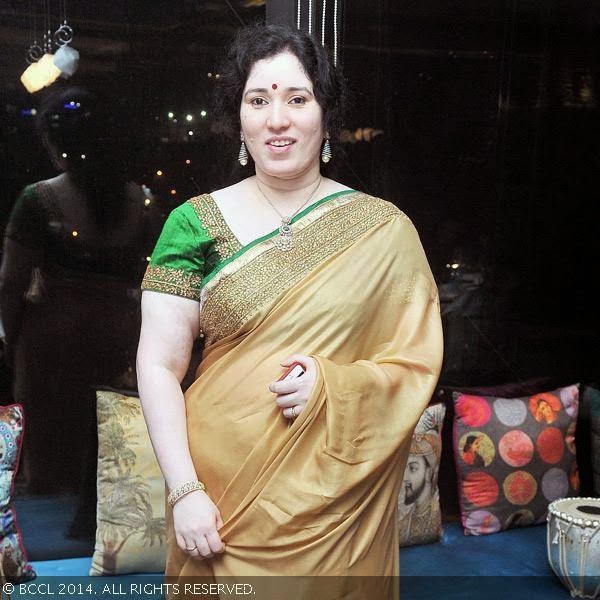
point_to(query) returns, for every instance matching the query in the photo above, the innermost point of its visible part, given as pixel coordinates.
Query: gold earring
(326, 150)
(243, 154)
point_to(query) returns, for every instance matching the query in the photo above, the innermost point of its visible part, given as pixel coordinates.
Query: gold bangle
(183, 489)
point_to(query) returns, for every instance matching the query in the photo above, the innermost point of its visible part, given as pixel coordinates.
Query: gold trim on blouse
(213, 222)
(173, 281)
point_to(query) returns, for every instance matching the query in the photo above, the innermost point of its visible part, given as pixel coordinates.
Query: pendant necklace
(286, 236)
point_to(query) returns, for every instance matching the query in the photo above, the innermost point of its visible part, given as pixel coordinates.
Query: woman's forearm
(164, 411)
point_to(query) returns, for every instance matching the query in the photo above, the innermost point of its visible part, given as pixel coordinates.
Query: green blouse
(194, 241)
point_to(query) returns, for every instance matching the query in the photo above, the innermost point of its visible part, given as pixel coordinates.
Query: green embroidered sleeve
(179, 260)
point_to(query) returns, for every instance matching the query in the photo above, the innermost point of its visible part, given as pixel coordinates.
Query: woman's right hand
(197, 522)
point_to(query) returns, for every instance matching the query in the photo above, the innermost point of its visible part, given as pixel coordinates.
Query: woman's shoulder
(59, 180)
(55, 187)
(188, 216)
(31, 212)
(36, 197)
(229, 194)
(207, 206)
(385, 206)
(201, 219)
(37, 193)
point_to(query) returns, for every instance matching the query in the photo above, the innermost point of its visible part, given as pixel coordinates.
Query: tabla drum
(573, 543)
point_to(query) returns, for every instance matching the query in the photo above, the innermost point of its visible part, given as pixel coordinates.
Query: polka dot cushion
(513, 457)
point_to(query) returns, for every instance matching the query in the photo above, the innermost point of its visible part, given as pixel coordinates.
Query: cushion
(14, 566)
(130, 534)
(593, 398)
(419, 516)
(514, 456)
(445, 393)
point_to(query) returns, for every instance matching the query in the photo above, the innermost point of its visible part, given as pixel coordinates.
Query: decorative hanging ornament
(40, 74)
(34, 53)
(63, 35)
(66, 58)
(45, 67)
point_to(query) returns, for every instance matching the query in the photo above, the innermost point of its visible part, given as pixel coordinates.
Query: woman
(301, 477)
(74, 248)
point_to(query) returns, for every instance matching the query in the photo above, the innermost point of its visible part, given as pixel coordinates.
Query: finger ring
(294, 413)
(191, 549)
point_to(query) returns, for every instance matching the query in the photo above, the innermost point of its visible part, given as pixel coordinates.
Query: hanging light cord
(31, 22)
(335, 33)
(323, 23)
(48, 32)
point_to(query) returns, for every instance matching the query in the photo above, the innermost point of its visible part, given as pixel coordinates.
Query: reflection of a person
(74, 248)
(419, 510)
(299, 475)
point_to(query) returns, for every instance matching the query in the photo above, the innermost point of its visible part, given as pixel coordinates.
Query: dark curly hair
(257, 42)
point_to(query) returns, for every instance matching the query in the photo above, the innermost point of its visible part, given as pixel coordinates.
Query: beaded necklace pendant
(286, 235)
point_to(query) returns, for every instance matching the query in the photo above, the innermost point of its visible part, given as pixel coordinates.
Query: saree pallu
(318, 495)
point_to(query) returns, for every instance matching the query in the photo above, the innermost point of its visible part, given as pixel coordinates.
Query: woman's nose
(278, 117)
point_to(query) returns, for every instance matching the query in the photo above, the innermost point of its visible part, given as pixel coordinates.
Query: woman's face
(281, 119)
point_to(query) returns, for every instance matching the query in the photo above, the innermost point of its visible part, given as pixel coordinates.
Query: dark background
(489, 119)
(482, 119)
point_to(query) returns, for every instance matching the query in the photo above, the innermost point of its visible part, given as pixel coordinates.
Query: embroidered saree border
(246, 283)
(213, 222)
(172, 281)
(273, 234)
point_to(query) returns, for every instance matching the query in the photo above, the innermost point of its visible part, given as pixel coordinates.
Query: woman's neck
(287, 191)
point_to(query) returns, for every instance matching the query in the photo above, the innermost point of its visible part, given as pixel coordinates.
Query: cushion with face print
(514, 456)
(419, 516)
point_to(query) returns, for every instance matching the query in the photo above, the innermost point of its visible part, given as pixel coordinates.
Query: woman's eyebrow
(299, 89)
(265, 91)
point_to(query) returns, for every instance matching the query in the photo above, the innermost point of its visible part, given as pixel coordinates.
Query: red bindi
(274, 86)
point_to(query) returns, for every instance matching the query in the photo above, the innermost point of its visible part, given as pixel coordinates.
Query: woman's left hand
(292, 395)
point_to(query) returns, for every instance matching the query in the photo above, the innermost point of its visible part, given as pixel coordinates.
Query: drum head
(587, 509)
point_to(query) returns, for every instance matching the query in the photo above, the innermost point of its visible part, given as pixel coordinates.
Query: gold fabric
(317, 496)
(130, 536)
(172, 281)
(266, 270)
(212, 220)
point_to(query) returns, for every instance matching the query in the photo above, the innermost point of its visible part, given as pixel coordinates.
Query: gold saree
(317, 496)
